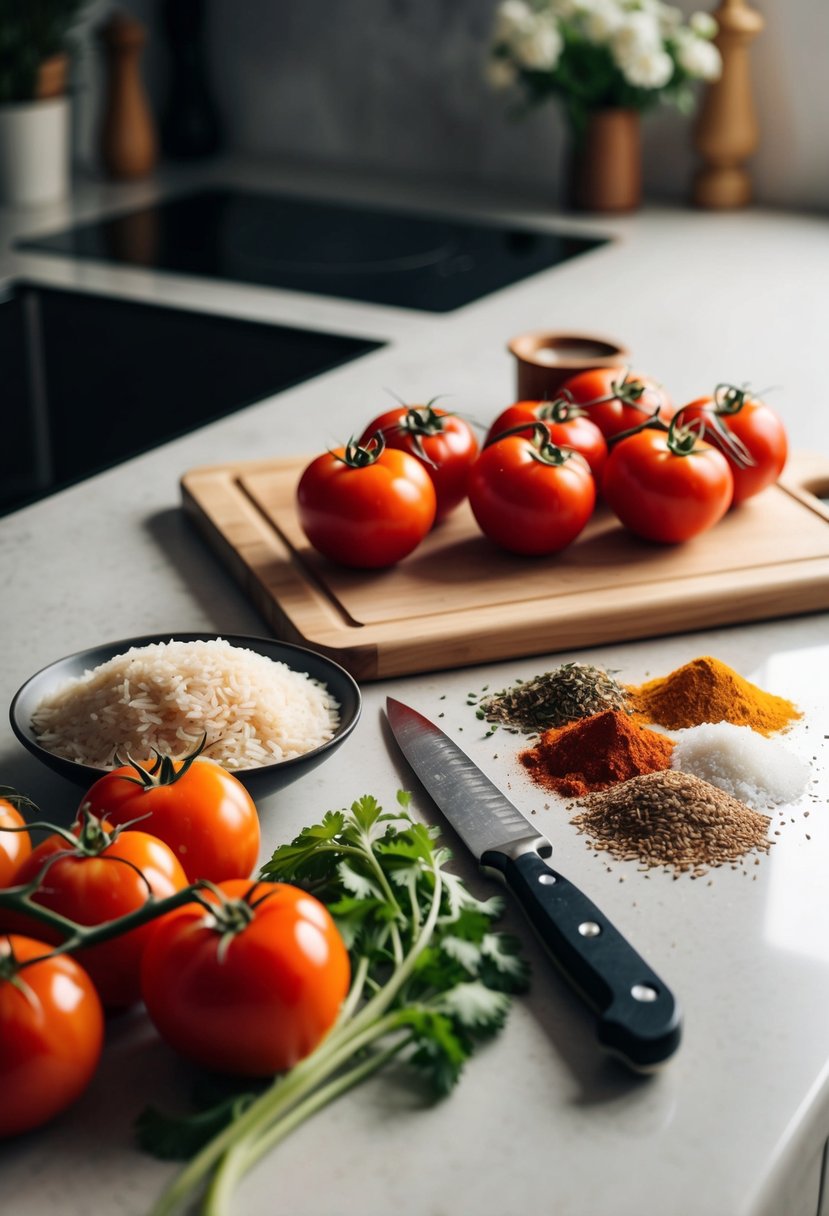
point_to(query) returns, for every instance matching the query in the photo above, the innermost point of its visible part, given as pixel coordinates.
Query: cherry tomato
(199, 809)
(667, 487)
(444, 444)
(567, 425)
(367, 507)
(51, 1034)
(104, 876)
(529, 496)
(251, 987)
(617, 400)
(747, 432)
(15, 847)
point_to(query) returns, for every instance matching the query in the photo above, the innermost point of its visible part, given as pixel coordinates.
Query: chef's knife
(638, 1017)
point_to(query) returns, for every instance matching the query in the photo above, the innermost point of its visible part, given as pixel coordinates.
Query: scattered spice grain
(595, 753)
(674, 820)
(706, 690)
(570, 692)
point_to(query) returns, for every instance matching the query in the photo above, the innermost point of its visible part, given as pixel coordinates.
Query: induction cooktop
(355, 252)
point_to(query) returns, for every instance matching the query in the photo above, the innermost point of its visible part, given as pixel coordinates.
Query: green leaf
(476, 1007)
(440, 1053)
(179, 1137)
(357, 883)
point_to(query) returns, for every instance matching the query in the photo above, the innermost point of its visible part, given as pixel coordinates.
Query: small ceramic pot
(546, 359)
(34, 152)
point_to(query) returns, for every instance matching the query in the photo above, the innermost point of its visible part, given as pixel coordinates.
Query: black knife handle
(638, 1015)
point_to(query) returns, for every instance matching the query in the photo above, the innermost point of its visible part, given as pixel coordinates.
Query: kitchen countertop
(735, 1124)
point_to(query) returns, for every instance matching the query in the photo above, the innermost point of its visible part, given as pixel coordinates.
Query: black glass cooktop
(89, 381)
(333, 249)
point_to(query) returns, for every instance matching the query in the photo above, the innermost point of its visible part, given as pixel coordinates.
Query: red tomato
(530, 497)
(51, 1034)
(250, 994)
(367, 507)
(616, 399)
(92, 887)
(759, 454)
(667, 487)
(567, 425)
(200, 810)
(15, 847)
(444, 444)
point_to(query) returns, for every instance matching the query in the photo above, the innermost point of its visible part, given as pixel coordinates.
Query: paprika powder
(595, 753)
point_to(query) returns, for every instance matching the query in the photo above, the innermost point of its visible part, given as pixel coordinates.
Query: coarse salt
(757, 770)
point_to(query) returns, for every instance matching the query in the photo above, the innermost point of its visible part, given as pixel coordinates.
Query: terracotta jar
(606, 165)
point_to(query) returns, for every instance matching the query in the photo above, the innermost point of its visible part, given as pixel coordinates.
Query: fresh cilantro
(431, 978)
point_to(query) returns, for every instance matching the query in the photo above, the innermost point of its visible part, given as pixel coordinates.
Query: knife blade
(638, 1016)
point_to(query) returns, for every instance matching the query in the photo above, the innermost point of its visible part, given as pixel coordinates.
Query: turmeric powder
(706, 690)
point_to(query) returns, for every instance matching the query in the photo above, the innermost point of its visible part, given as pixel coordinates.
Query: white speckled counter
(736, 1124)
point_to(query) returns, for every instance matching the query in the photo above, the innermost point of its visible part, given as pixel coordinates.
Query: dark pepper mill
(190, 127)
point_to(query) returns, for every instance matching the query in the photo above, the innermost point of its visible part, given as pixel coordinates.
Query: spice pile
(751, 767)
(706, 690)
(595, 753)
(571, 691)
(674, 820)
(686, 802)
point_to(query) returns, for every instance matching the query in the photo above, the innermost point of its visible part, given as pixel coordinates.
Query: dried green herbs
(571, 691)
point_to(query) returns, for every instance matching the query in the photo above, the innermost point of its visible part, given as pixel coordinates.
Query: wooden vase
(128, 138)
(606, 162)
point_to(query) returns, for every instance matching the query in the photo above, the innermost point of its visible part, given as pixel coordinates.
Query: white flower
(501, 74)
(512, 19)
(703, 25)
(565, 10)
(639, 32)
(699, 58)
(540, 46)
(647, 68)
(601, 19)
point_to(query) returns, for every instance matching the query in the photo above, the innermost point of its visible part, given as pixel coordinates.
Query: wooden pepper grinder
(128, 138)
(726, 131)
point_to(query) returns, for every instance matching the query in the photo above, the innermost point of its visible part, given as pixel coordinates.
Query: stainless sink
(89, 380)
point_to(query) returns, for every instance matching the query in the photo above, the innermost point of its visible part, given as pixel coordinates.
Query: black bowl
(261, 781)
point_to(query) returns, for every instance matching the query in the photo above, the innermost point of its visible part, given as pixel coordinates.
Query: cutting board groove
(459, 601)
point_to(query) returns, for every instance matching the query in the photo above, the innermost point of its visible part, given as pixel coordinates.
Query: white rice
(167, 695)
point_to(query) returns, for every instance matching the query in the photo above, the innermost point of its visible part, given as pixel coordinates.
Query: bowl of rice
(267, 710)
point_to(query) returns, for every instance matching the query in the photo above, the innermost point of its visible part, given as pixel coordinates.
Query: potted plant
(607, 61)
(34, 108)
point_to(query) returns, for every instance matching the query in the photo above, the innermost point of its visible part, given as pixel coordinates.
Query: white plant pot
(34, 152)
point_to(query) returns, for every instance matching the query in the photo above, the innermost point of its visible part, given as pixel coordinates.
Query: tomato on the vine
(616, 399)
(748, 433)
(667, 486)
(444, 443)
(366, 506)
(567, 425)
(246, 981)
(51, 1033)
(529, 496)
(102, 876)
(15, 846)
(198, 808)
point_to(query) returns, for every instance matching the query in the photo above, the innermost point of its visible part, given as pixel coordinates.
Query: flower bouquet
(597, 56)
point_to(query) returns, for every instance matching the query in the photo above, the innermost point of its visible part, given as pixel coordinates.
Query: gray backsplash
(398, 86)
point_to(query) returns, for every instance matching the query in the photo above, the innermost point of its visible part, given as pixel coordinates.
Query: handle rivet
(589, 928)
(643, 992)
(546, 880)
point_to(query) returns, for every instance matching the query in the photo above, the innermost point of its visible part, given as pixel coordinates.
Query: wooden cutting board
(457, 600)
